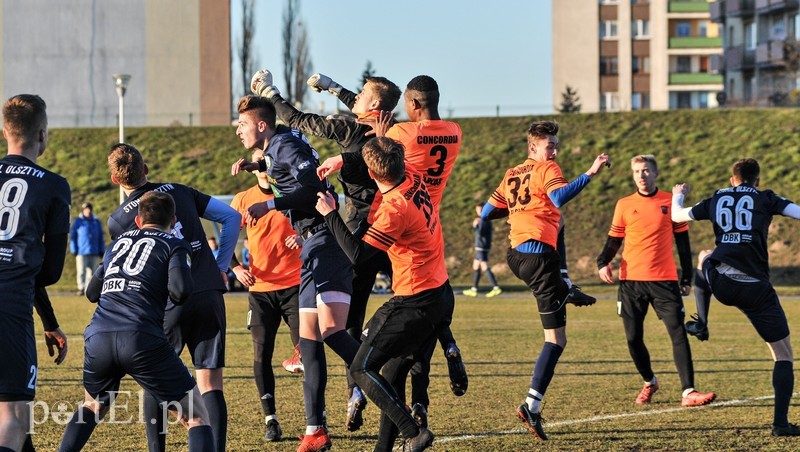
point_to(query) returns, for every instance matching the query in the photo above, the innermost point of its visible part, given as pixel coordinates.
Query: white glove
(319, 82)
(261, 84)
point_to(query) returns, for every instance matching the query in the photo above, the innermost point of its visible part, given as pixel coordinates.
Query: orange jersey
(407, 227)
(272, 263)
(525, 193)
(646, 225)
(431, 148)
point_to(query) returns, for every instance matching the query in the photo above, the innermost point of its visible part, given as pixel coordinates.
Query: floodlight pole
(121, 82)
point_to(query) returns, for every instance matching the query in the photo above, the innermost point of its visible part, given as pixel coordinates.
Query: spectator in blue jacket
(87, 243)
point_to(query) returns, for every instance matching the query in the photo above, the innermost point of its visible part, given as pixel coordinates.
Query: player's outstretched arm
(245, 165)
(230, 221)
(680, 214)
(261, 84)
(330, 166)
(319, 82)
(356, 249)
(791, 211)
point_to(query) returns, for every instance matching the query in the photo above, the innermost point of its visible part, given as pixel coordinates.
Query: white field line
(448, 439)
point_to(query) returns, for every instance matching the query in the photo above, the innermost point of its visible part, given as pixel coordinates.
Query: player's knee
(782, 350)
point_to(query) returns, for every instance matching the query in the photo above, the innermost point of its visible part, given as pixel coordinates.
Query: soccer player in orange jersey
(530, 195)
(406, 226)
(273, 279)
(648, 276)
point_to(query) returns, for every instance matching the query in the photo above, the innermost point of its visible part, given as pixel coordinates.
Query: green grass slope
(696, 147)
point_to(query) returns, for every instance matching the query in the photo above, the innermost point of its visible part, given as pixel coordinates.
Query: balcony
(699, 78)
(737, 58)
(736, 8)
(697, 42)
(716, 11)
(770, 54)
(769, 6)
(688, 6)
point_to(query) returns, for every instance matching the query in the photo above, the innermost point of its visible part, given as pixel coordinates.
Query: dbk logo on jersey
(114, 285)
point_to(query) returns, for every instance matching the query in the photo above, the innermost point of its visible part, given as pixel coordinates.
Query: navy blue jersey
(34, 202)
(135, 273)
(190, 205)
(483, 235)
(291, 166)
(741, 217)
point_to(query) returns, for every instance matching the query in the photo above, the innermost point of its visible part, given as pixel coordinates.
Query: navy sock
(344, 345)
(490, 275)
(314, 380)
(476, 278)
(28, 446)
(545, 366)
(78, 430)
(702, 295)
(783, 384)
(201, 439)
(217, 416)
(156, 431)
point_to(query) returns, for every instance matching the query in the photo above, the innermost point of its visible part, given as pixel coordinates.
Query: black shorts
(148, 359)
(757, 300)
(404, 324)
(266, 306)
(325, 269)
(635, 297)
(481, 255)
(18, 369)
(542, 274)
(199, 324)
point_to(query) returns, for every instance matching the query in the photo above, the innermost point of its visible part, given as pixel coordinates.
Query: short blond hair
(650, 159)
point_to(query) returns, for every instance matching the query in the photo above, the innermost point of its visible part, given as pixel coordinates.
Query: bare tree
(369, 71)
(245, 51)
(296, 58)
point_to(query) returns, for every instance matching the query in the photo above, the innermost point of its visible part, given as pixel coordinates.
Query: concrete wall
(576, 53)
(67, 52)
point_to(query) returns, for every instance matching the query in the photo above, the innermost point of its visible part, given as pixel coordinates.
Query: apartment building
(177, 52)
(761, 63)
(622, 55)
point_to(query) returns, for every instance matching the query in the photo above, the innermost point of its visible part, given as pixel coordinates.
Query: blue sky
(482, 54)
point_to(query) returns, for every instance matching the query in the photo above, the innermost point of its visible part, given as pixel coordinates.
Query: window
(704, 64)
(609, 102)
(640, 65)
(750, 38)
(608, 29)
(607, 1)
(608, 65)
(703, 98)
(729, 38)
(796, 22)
(702, 28)
(684, 100)
(640, 101)
(778, 29)
(640, 29)
(683, 29)
(684, 64)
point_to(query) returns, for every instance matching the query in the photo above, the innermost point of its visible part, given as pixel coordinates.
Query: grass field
(589, 405)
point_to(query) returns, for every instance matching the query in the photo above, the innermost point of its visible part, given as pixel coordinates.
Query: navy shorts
(542, 274)
(325, 269)
(18, 369)
(757, 300)
(148, 359)
(199, 324)
(404, 324)
(481, 255)
(635, 297)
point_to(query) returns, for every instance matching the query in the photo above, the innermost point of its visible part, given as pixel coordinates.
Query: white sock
(533, 400)
(270, 417)
(311, 429)
(654, 381)
(688, 391)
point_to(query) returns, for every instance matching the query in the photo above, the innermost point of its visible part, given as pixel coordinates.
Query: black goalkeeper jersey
(741, 217)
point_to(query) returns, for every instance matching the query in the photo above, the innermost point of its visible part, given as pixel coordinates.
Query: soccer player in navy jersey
(326, 275)
(200, 323)
(34, 232)
(142, 269)
(737, 271)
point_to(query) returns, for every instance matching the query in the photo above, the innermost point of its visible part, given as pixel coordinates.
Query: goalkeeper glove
(261, 84)
(319, 82)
